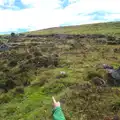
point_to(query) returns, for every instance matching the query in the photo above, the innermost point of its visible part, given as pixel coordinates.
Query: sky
(28, 15)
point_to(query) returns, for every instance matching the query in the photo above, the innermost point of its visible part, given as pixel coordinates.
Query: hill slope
(99, 28)
(31, 73)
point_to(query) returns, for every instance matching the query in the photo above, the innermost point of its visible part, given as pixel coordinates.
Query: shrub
(90, 102)
(3, 87)
(25, 67)
(56, 61)
(4, 98)
(44, 49)
(37, 53)
(5, 69)
(12, 34)
(19, 90)
(54, 88)
(12, 63)
(111, 38)
(115, 106)
(92, 74)
(28, 56)
(43, 61)
(10, 84)
(11, 109)
(98, 81)
(42, 81)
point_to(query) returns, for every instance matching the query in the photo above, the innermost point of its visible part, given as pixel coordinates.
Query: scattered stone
(62, 74)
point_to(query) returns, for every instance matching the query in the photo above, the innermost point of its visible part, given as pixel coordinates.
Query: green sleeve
(58, 114)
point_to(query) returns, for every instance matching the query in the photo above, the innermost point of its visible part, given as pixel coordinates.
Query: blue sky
(28, 15)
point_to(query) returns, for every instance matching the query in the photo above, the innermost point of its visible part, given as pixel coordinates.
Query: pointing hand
(55, 104)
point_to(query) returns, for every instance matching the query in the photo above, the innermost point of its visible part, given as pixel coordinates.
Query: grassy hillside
(30, 74)
(99, 28)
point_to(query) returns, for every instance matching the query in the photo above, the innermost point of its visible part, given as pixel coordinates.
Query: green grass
(27, 106)
(110, 28)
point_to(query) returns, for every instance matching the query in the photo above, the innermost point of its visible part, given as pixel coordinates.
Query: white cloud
(73, 1)
(112, 16)
(49, 13)
(1, 2)
(42, 4)
(9, 3)
(86, 6)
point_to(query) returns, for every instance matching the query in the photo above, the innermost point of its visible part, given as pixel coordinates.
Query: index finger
(53, 99)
